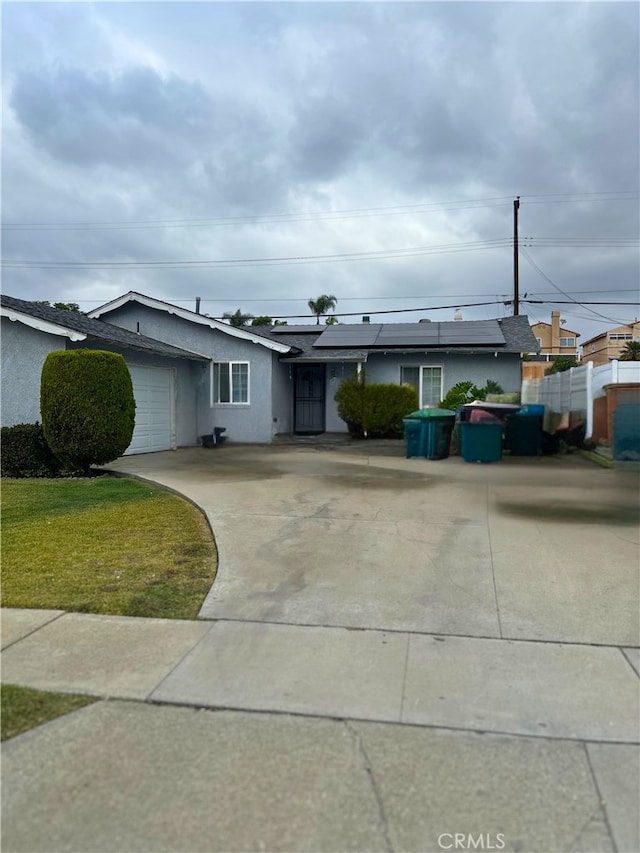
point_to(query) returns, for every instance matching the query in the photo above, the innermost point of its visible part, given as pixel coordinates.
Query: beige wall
(550, 334)
(608, 345)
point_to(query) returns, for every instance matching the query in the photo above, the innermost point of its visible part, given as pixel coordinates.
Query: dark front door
(309, 398)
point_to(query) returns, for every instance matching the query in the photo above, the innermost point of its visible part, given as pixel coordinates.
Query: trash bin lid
(432, 413)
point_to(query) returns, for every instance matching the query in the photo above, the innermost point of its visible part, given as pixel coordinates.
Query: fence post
(589, 382)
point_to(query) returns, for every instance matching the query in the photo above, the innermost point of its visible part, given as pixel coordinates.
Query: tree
(62, 306)
(630, 351)
(262, 321)
(237, 319)
(87, 405)
(280, 323)
(321, 305)
(562, 363)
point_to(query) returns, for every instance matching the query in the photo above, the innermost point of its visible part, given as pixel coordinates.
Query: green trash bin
(429, 433)
(523, 432)
(481, 441)
(413, 437)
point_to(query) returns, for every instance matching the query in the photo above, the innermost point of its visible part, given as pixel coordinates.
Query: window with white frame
(620, 337)
(427, 380)
(230, 382)
(567, 342)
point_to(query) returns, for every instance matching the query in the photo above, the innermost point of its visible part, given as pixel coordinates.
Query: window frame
(567, 345)
(420, 368)
(212, 384)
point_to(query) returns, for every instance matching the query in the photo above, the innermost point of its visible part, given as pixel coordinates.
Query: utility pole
(516, 284)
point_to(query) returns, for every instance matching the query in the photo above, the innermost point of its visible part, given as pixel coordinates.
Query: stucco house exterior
(608, 345)
(192, 373)
(163, 376)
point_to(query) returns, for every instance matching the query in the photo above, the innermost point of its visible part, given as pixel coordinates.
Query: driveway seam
(34, 630)
(635, 671)
(493, 569)
(601, 800)
(404, 678)
(356, 738)
(179, 662)
(413, 632)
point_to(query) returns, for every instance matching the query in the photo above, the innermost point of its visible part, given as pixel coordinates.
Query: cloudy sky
(260, 154)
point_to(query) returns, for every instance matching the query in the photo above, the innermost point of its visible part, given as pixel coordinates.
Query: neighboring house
(608, 345)
(192, 373)
(553, 340)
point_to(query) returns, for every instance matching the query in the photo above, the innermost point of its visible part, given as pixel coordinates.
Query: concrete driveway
(537, 549)
(397, 655)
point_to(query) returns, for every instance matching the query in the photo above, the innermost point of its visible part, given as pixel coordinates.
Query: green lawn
(103, 545)
(24, 709)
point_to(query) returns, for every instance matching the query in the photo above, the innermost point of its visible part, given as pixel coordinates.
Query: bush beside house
(24, 452)
(87, 405)
(376, 410)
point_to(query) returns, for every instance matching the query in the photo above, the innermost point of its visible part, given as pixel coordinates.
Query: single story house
(192, 373)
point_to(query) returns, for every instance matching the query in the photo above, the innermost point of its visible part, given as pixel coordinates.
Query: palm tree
(630, 351)
(321, 305)
(237, 319)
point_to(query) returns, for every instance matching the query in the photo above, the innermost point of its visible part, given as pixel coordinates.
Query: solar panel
(349, 335)
(408, 334)
(474, 333)
(412, 335)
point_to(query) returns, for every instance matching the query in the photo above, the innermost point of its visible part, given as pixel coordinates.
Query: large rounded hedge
(87, 406)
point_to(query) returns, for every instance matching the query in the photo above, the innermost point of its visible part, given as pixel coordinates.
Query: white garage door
(153, 391)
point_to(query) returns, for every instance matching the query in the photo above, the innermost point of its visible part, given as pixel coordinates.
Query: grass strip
(23, 708)
(104, 545)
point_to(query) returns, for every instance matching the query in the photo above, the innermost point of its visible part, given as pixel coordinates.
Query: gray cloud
(121, 112)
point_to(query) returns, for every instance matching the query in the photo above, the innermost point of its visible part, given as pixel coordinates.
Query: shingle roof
(97, 329)
(517, 334)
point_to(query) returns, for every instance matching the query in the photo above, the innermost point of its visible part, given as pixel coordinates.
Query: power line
(380, 254)
(343, 256)
(326, 215)
(528, 257)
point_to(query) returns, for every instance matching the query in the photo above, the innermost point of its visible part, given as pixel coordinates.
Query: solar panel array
(411, 335)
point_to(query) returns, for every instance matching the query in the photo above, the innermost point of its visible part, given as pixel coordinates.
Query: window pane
(410, 376)
(223, 393)
(431, 386)
(240, 383)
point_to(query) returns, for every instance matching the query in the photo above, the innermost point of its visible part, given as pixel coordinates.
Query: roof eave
(191, 316)
(42, 325)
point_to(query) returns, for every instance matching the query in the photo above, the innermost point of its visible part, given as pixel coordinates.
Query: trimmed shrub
(87, 405)
(376, 410)
(24, 452)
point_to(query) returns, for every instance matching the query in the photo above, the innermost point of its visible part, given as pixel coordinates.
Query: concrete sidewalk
(506, 739)
(394, 652)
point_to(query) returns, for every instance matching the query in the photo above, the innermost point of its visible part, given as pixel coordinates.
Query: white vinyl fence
(572, 392)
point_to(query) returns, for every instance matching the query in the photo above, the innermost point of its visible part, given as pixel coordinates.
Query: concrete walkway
(395, 651)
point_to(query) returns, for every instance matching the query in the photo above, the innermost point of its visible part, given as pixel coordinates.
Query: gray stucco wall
(336, 373)
(23, 353)
(504, 369)
(188, 375)
(282, 396)
(250, 422)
